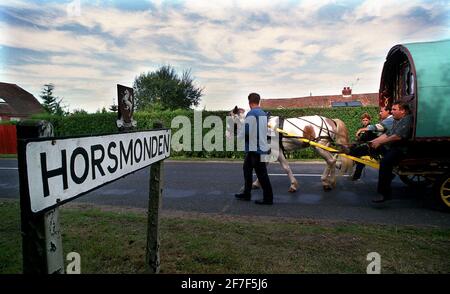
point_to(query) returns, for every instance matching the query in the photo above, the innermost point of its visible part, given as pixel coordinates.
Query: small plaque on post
(125, 111)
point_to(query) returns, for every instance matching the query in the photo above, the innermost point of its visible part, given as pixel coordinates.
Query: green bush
(8, 122)
(103, 123)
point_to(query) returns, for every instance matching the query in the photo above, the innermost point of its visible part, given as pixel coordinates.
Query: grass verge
(112, 240)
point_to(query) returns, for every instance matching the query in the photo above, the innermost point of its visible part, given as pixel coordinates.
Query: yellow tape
(364, 160)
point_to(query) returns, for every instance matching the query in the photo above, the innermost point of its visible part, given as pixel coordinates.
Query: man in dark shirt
(255, 132)
(391, 145)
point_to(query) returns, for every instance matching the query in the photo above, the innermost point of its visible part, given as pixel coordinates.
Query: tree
(79, 111)
(47, 97)
(166, 88)
(52, 104)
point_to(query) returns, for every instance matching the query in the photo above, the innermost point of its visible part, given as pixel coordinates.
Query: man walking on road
(255, 132)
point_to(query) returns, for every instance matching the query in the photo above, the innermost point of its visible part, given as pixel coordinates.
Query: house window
(346, 104)
(354, 103)
(338, 104)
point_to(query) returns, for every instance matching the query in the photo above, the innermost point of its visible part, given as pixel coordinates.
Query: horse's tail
(342, 138)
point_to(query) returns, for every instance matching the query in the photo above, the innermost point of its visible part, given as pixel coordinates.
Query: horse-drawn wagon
(419, 74)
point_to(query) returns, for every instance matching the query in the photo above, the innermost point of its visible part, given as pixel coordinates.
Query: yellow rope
(364, 160)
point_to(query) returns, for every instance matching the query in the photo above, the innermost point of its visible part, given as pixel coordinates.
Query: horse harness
(323, 128)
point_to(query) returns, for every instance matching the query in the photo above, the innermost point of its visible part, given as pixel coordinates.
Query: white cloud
(384, 9)
(233, 47)
(49, 40)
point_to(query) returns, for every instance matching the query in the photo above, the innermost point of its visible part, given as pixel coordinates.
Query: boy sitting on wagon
(367, 134)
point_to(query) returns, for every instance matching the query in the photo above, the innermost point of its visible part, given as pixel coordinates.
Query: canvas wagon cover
(432, 63)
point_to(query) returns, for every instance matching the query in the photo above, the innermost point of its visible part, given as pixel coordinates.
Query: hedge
(102, 123)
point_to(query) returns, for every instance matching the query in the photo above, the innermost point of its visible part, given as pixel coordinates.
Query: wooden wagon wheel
(442, 191)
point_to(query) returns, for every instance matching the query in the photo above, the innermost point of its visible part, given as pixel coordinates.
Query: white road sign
(59, 170)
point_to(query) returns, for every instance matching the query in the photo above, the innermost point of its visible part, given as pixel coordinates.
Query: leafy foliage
(103, 123)
(52, 104)
(166, 88)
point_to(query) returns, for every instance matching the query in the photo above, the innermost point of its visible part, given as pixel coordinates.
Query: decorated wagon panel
(432, 66)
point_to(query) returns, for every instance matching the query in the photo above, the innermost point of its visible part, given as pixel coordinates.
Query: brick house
(16, 103)
(345, 99)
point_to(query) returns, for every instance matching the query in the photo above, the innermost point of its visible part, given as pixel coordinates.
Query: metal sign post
(41, 234)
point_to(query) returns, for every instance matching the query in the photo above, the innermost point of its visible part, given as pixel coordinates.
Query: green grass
(113, 241)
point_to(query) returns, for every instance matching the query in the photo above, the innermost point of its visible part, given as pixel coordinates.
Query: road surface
(209, 187)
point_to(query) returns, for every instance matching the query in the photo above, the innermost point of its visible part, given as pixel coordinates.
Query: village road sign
(61, 169)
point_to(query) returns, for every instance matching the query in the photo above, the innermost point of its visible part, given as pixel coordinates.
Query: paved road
(209, 187)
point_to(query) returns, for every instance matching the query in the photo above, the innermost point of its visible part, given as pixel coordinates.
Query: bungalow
(16, 103)
(346, 99)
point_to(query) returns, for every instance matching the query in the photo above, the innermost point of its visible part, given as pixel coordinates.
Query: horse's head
(237, 116)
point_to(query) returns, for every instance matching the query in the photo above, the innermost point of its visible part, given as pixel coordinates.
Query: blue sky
(276, 48)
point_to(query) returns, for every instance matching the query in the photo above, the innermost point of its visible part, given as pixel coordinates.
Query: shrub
(103, 123)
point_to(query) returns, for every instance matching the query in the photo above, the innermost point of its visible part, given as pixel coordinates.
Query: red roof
(18, 102)
(367, 99)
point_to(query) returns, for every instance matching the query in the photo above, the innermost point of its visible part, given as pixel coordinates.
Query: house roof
(18, 101)
(6, 109)
(318, 101)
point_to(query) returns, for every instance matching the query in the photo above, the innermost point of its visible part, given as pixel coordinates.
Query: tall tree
(164, 87)
(51, 103)
(48, 98)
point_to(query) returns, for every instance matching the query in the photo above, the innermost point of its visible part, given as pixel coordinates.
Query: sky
(279, 49)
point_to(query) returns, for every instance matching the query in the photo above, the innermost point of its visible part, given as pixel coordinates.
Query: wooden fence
(8, 139)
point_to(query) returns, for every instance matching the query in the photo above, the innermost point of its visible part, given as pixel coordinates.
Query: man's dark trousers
(253, 161)
(390, 158)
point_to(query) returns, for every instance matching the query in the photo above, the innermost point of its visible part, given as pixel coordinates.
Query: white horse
(316, 128)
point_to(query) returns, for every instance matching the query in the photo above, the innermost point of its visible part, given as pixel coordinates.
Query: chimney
(346, 92)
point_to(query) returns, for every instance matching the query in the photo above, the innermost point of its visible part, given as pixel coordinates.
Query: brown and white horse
(316, 128)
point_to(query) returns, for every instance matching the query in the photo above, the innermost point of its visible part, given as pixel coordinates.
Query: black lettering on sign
(166, 143)
(96, 162)
(47, 174)
(147, 148)
(154, 146)
(137, 159)
(113, 157)
(84, 154)
(127, 155)
(160, 144)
